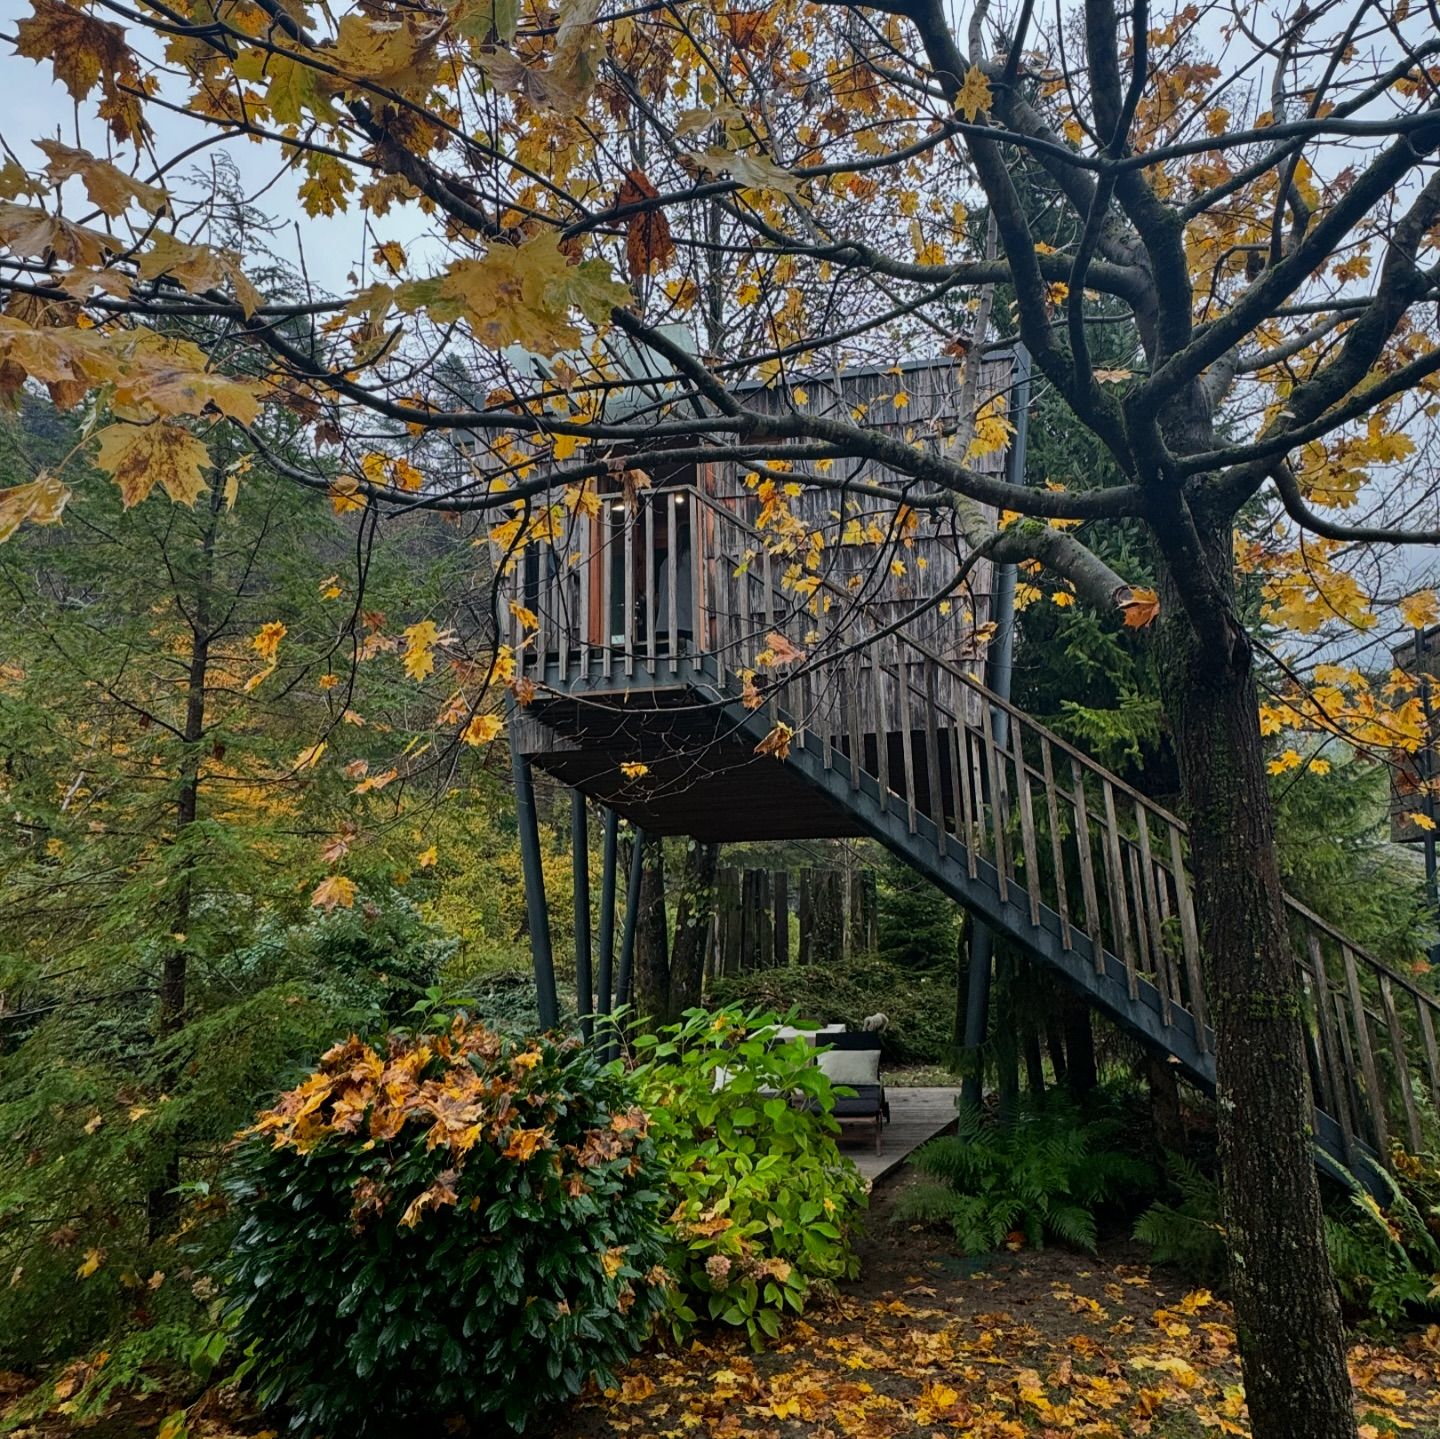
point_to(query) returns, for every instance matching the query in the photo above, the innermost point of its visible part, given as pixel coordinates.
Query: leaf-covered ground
(929, 1345)
(1046, 1344)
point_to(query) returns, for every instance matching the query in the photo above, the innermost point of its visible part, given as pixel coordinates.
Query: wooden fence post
(782, 918)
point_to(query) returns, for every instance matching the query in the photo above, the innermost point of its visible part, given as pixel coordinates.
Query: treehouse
(707, 653)
(689, 574)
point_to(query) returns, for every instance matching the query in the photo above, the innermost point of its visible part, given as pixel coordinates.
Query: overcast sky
(34, 105)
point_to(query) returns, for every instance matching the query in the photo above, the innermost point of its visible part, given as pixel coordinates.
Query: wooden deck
(915, 1116)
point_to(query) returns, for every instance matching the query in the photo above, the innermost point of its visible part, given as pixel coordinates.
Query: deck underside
(703, 778)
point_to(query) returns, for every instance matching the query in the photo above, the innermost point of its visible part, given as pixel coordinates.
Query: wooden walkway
(915, 1116)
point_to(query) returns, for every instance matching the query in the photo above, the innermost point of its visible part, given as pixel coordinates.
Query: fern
(1187, 1232)
(1386, 1260)
(1044, 1175)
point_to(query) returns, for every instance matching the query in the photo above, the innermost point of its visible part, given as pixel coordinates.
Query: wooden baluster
(1432, 1053)
(1146, 963)
(1402, 1065)
(1151, 902)
(608, 512)
(745, 647)
(559, 564)
(768, 597)
(1115, 882)
(855, 735)
(967, 826)
(586, 572)
(1350, 1072)
(1189, 936)
(647, 503)
(907, 741)
(630, 524)
(932, 760)
(1025, 798)
(702, 628)
(1375, 1095)
(881, 715)
(1057, 843)
(997, 819)
(1094, 925)
(672, 581)
(542, 606)
(1339, 1097)
(1162, 943)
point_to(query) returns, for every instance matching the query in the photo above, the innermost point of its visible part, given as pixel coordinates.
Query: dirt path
(1043, 1343)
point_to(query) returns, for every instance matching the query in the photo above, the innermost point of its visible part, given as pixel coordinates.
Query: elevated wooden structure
(639, 630)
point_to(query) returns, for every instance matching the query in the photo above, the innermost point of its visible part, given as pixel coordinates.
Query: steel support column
(580, 859)
(537, 914)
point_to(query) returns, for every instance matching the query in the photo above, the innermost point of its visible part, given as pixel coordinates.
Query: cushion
(842, 1066)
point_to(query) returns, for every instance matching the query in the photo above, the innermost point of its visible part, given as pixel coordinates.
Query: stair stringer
(943, 860)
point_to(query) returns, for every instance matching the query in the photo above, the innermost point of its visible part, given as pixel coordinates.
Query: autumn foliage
(451, 1226)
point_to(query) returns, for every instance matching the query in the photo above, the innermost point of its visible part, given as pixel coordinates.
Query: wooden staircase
(883, 736)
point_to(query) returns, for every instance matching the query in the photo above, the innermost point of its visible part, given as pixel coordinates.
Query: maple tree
(1253, 191)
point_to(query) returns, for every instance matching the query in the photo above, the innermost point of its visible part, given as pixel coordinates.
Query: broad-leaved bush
(453, 1226)
(761, 1203)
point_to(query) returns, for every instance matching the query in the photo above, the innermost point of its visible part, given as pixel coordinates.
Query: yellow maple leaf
(482, 729)
(309, 757)
(94, 1258)
(777, 742)
(346, 495)
(420, 642)
(110, 189)
(1420, 610)
(1420, 820)
(974, 96)
(427, 857)
(266, 641)
(633, 769)
(334, 892)
(136, 456)
(1141, 606)
(42, 501)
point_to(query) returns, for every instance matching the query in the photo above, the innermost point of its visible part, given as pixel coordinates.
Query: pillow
(851, 1066)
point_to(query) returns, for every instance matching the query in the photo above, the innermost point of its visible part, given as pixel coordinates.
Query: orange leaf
(777, 742)
(648, 242)
(1141, 607)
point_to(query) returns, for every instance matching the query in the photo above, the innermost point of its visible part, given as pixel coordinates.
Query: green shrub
(1042, 1176)
(99, 1117)
(761, 1203)
(920, 1007)
(463, 1227)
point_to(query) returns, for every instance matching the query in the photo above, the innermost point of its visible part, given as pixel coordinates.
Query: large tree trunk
(694, 908)
(1287, 1314)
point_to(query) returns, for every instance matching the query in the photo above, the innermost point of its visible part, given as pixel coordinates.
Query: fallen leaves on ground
(1043, 1345)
